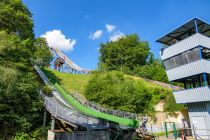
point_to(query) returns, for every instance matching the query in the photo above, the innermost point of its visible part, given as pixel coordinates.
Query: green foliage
(16, 18)
(70, 82)
(42, 56)
(21, 109)
(131, 56)
(21, 106)
(38, 134)
(127, 52)
(47, 90)
(170, 104)
(117, 91)
(153, 71)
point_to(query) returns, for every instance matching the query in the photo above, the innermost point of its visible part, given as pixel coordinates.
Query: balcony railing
(186, 44)
(190, 69)
(198, 94)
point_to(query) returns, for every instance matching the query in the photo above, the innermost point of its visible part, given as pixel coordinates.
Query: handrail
(92, 105)
(68, 61)
(178, 42)
(69, 114)
(88, 111)
(72, 116)
(99, 108)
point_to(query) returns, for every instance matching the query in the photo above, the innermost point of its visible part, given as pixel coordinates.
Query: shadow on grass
(51, 76)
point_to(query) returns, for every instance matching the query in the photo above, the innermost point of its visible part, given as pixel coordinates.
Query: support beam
(196, 26)
(44, 119)
(52, 123)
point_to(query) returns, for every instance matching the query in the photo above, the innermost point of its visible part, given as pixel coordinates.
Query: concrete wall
(201, 109)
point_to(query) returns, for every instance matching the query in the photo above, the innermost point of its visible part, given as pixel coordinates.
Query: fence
(99, 108)
(88, 104)
(182, 133)
(156, 128)
(72, 116)
(83, 135)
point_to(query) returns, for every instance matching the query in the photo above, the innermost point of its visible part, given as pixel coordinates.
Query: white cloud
(96, 35)
(55, 39)
(110, 28)
(116, 36)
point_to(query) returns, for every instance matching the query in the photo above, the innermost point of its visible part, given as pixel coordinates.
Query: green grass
(71, 82)
(78, 83)
(158, 134)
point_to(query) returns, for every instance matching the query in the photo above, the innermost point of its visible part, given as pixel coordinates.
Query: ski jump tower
(64, 64)
(186, 57)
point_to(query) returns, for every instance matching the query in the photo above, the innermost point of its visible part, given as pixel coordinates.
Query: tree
(154, 71)
(128, 51)
(114, 90)
(21, 108)
(16, 18)
(42, 55)
(171, 105)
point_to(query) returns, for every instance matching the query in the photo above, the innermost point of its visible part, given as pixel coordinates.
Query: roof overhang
(185, 31)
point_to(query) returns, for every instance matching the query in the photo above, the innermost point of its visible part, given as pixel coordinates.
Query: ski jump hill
(80, 113)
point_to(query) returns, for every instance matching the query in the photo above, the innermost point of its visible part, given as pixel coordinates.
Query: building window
(206, 53)
(194, 81)
(183, 58)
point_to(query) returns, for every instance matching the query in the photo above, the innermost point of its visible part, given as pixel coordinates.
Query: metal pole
(44, 119)
(52, 123)
(166, 129)
(196, 26)
(204, 75)
(194, 132)
(175, 132)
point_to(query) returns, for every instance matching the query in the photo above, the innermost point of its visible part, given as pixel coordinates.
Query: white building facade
(186, 57)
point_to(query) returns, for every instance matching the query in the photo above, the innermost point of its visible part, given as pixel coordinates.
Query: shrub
(170, 104)
(116, 91)
(47, 90)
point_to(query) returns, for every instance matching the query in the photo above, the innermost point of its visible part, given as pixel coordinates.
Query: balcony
(186, 44)
(199, 94)
(190, 69)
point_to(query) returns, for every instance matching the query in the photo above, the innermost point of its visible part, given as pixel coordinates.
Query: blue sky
(77, 20)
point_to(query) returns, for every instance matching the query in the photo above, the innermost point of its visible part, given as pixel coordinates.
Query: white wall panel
(192, 95)
(194, 68)
(186, 44)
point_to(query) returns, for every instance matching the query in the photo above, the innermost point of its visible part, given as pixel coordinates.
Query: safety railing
(68, 61)
(196, 133)
(83, 135)
(70, 116)
(99, 108)
(88, 104)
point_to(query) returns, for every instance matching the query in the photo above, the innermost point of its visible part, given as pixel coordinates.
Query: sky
(78, 27)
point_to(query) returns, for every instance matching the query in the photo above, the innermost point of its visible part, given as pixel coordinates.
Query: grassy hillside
(124, 95)
(71, 82)
(78, 82)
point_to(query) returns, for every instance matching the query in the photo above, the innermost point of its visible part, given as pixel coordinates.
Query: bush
(117, 91)
(171, 105)
(154, 71)
(47, 90)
